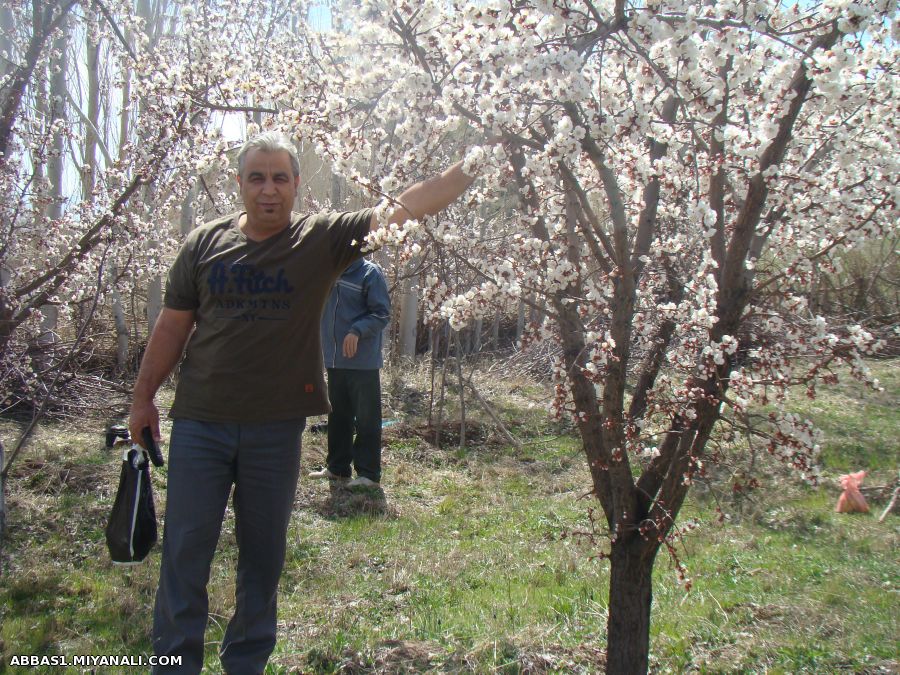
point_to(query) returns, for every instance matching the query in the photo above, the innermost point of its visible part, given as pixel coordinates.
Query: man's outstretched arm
(430, 196)
(163, 352)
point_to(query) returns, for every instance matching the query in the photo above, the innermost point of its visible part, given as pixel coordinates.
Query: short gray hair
(269, 141)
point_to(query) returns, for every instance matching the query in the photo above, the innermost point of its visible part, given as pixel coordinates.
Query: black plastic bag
(131, 530)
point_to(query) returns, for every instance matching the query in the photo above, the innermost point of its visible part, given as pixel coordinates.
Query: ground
(476, 559)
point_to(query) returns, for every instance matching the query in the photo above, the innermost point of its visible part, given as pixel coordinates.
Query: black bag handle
(152, 448)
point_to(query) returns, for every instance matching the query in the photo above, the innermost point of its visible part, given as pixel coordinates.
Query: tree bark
(59, 67)
(154, 303)
(409, 315)
(462, 391)
(2, 500)
(630, 601)
(520, 322)
(123, 336)
(495, 332)
(7, 42)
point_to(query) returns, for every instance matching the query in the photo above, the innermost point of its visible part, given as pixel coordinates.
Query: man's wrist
(142, 396)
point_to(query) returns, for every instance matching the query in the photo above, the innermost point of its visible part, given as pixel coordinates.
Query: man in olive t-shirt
(245, 297)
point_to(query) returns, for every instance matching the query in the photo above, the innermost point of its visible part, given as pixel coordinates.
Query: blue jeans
(262, 461)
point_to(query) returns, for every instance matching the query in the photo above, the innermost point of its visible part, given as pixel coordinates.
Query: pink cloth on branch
(851, 499)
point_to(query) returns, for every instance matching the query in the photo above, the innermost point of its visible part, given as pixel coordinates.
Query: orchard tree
(680, 171)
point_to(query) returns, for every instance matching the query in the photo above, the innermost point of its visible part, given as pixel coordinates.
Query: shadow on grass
(346, 503)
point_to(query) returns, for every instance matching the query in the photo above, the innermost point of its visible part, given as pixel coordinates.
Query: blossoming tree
(679, 170)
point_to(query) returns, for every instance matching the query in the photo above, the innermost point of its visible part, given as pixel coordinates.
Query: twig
(490, 411)
(891, 504)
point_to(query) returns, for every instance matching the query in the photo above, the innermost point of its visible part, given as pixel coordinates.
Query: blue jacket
(359, 303)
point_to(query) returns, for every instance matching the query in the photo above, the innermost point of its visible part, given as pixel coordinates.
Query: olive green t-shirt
(255, 354)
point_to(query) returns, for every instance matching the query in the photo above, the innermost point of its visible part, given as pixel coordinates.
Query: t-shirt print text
(243, 292)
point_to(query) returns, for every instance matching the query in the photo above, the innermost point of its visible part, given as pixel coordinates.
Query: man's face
(268, 187)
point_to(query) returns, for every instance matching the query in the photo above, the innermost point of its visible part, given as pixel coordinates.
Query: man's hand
(143, 414)
(350, 344)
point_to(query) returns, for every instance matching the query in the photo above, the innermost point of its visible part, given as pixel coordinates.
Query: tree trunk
(495, 333)
(409, 316)
(2, 501)
(7, 42)
(462, 392)
(520, 324)
(433, 340)
(123, 337)
(92, 124)
(445, 332)
(476, 335)
(630, 600)
(186, 220)
(154, 303)
(336, 197)
(55, 167)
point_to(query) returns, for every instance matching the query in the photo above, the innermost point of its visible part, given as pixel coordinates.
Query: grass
(470, 561)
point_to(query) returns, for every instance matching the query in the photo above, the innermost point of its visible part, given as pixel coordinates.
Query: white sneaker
(363, 482)
(326, 473)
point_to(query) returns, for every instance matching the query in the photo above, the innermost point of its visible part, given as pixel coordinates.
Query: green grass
(473, 562)
(860, 424)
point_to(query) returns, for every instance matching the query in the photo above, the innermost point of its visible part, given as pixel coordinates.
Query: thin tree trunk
(462, 392)
(48, 335)
(630, 601)
(440, 419)
(495, 333)
(336, 198)
(409, 317)
(149, 10)
(186, 217)
(7, 43)
(123, 337)
(520, 322)
(535, 315)
(89, 176)
(2, 502)
(476, 335)
(154, 303)
(59, 66)
(434, 339)
(125, 115)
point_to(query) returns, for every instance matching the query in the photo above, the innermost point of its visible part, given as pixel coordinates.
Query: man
(245, 295)
(358, 309)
